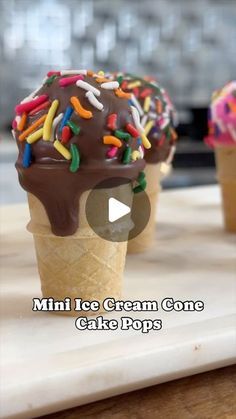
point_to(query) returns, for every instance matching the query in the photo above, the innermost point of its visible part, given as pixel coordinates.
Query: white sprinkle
(136, 119)
(86, 86)
(18, 119)
(32, 95)
(164, 122)
(93, 100)
(66, 72)
(137, 104)
(171, 155)
(54, 124)
(152, 115)
(13, 134)
(144, 120)
(110, 85)
(232, 131)
(140, 149)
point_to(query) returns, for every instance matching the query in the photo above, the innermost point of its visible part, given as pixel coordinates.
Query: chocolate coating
(49, 177)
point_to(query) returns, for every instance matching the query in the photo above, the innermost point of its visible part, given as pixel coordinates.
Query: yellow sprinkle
(35, 136)
(136, 155)
(147, 104)
(134, 84)
(47, 127)
(145, 141)
(101, 73)
(148, 127)
(62, 150)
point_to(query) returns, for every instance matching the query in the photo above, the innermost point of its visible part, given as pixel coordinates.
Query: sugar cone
(226, 172)
(145, 239)
(79, 266)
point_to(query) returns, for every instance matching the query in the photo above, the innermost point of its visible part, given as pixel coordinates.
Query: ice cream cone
(75, 132)
(226, 172)
(80, 266)
(145, 239)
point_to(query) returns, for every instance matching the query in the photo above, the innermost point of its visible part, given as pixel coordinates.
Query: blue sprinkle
(27, 156)
(217, 130)
(227, 108)
(139, 141)
(130, 102)
(68, 112)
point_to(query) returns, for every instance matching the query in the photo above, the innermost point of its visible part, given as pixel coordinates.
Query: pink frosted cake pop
(222, 117)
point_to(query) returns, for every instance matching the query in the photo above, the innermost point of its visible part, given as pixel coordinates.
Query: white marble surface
(48, 365)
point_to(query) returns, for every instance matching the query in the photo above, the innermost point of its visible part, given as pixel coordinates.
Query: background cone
(226, 173)
(145, 239)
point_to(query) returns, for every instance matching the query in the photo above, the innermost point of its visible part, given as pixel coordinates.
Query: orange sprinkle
(232, 107)
(84, 113)
(158, 106)
(22, 122)
(111, 140)
(101, 80)
(32, 127)
(90, 72)
(122, 94)
(173, 134)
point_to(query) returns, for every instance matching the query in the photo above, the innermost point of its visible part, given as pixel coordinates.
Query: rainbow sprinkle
(60, 126)
(75, 158)
(27, 156)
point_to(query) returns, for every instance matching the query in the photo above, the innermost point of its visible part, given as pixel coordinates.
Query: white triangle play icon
(116, 209)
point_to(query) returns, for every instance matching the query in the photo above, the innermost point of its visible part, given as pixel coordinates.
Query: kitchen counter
(47, 365)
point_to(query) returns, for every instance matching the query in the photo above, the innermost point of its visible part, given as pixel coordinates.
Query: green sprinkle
(75, 158)
(119, 79)
(141, 177)
(122, 135)
(127, 155)
(50, 79)
(142, 183)
(168, 132)
(74, 128)
(138, 189)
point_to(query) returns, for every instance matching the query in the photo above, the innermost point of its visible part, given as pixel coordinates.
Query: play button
(116, 209)
(114, 212)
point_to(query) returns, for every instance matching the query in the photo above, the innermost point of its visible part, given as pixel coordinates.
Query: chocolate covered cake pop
(76, 130)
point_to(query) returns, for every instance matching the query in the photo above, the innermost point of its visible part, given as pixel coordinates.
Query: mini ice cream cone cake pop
(222, 138)
(73, 132)
(158, 119)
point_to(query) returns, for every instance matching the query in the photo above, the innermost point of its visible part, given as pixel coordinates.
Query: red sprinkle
(111, 121)
(53, 73)
(28, 106)
(66, 134)
(160, 142)
(40, 107)
(132, 130)
(112, 152)
(65, 81)
(124, 85)
(136, 91)
(14, 124)
(145, 93)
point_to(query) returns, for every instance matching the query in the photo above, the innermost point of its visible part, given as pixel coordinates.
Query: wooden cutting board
(48, 365)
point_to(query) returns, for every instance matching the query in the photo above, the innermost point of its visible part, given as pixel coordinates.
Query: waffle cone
(80, 266)
(145, 239)
(226, 173)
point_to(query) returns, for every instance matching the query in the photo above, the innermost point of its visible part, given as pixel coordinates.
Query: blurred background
(188, 45)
